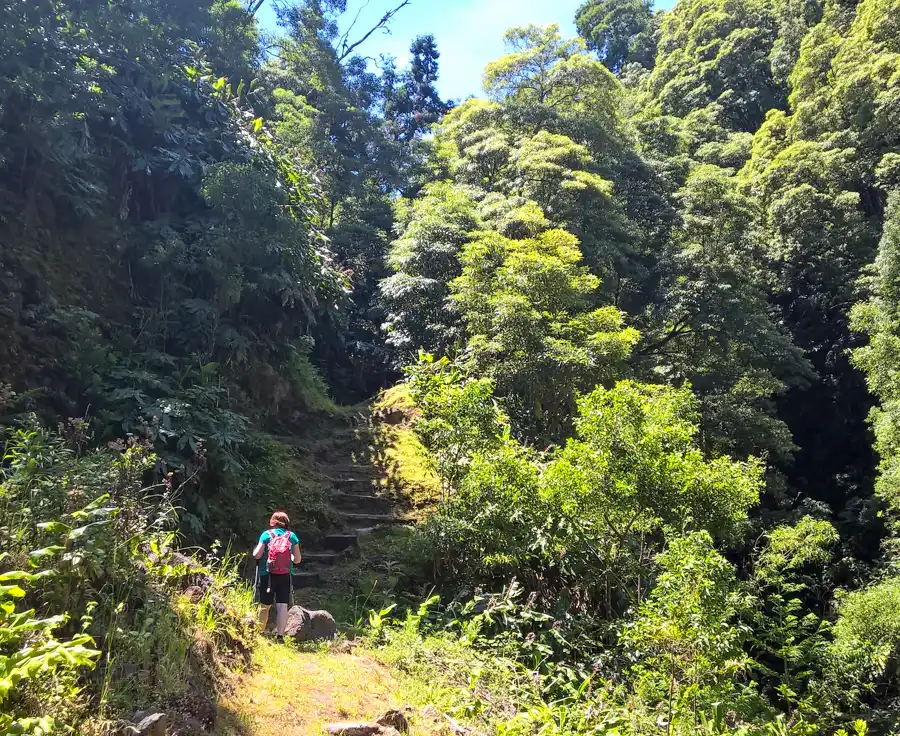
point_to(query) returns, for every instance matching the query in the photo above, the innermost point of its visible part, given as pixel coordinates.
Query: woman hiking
(282, 550)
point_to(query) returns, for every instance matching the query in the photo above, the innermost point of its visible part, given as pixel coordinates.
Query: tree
(683, 635)
(620, 31)
(713, 326)
(460, 417)
(362, 135)
(412, 103)
(425, 259)
(635, 468)
(721, 53)
(528, 311)
(788, 588)
(879, 318)
(232, 41)
(544, 69)
(126, 154)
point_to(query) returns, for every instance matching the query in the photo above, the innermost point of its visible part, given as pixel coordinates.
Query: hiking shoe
(279, 639)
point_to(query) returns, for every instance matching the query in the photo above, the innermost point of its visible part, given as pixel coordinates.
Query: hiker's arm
(297, 556)
(258, 552)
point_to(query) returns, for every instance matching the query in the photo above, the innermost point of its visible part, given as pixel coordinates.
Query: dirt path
(297, 693)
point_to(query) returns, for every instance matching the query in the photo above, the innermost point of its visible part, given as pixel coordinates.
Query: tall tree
(879, 318)
(412, 103)
(620, 31)
(532, 326)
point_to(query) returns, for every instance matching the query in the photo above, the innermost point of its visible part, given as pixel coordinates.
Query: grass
(298, 692)
(436, 681)
(410, 475)
(445, 677)
(395, 397)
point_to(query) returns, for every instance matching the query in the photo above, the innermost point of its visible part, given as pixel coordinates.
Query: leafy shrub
(29, 649)
(864, 666)
(789, 637)
(91, 544)
(684, 634)
(459, 415)
(580, 527)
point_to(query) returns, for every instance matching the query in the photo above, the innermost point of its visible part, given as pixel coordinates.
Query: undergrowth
(100, 616)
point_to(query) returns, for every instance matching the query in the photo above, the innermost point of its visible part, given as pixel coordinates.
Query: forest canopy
(644, 293)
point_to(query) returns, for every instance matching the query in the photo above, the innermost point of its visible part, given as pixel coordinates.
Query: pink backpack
(279, 559)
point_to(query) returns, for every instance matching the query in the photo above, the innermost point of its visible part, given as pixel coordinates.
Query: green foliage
(89, 581)
(155, 172)
(459, 417)
(425, 259)
(718, 53)
(588, 518)
(544, 69)
(527, 308)
(880, 319)
(713, 325)
(641, 248)
(30, 649)
(412, 104)
(863, 672)
(635, 468)
(620, 31)
(683, 635)
(789, 637)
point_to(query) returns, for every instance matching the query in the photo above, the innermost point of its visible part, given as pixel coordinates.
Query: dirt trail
(298, 693)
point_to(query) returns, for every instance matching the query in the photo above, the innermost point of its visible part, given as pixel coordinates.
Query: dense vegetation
(644, 295)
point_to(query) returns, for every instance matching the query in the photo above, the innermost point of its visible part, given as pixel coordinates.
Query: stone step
(354, 485)
(372, 519)
(360, 501)
(349, 481)
(340, 542)
(323, 558)
(349, 472)
(306, 579)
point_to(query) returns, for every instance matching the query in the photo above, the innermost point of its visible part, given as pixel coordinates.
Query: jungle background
(617, 341)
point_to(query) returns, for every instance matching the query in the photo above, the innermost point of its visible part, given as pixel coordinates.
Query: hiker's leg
(264, 617)
(281, 612)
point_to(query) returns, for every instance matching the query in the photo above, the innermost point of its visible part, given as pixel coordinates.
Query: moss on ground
(409, 472)
(395, 397)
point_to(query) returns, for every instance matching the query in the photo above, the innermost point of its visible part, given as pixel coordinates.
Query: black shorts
(274, 589)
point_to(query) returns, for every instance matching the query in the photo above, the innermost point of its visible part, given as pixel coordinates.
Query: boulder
(194, 593)
(192, 572)
(153, 724)
(394, 719)
(199, 707)
(304, 625)
(322, 625)
(298, 624)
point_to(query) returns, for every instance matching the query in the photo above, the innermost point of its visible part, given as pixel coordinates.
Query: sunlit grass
(298, 692)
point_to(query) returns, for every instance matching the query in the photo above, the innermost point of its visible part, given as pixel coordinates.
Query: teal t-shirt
(266, 537)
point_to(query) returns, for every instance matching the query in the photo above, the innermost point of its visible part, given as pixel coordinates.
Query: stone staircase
(360, 506)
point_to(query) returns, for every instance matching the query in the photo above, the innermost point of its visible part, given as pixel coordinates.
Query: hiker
(281, 548)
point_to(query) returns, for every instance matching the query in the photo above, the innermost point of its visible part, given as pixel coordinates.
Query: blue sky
(469, 32)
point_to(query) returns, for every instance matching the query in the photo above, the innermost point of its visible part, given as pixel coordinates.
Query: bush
(864, 666)
(92, 591)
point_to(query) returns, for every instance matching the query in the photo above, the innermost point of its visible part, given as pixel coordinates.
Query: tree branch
(253, 6)
(346, 36)
(681, 327)
(347, 49)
